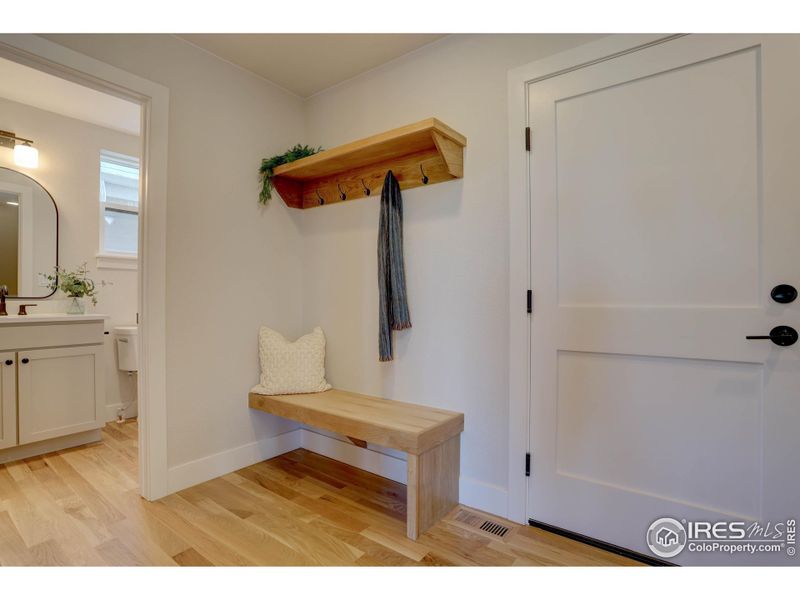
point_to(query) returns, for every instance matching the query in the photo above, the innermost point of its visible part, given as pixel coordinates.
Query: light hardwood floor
(80, 507)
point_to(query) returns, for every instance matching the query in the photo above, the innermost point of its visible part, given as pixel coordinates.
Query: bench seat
(430, 436)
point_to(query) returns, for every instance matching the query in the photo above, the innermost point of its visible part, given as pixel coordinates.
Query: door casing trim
(153, 98)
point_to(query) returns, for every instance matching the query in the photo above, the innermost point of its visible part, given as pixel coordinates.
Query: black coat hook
(342, 195)
(424, 177)
(320, 198)
(367, 191)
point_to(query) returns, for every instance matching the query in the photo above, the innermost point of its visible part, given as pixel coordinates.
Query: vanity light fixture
(25, 155)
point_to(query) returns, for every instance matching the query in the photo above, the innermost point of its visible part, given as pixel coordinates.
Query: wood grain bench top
(409, 427)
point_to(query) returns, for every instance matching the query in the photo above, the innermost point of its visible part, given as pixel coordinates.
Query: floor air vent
(494, 528)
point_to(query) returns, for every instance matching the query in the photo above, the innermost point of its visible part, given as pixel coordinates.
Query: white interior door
(665, 206)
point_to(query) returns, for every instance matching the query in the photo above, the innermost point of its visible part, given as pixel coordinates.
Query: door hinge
(529, 301)
(527, 464)
(528, 139)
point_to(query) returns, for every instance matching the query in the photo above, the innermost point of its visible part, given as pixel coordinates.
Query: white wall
(69, 168)
(231, 265)
(456, 245)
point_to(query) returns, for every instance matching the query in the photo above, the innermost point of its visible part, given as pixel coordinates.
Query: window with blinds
(119, 203)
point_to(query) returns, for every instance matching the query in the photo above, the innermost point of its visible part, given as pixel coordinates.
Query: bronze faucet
(3, 294)
(22, 312)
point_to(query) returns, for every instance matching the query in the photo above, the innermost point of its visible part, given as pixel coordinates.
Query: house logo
(666, 537)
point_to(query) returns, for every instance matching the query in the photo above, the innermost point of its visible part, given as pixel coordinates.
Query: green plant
(74, 284)
(268, 166)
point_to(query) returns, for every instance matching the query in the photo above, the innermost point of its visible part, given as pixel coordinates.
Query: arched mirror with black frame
(28, 236)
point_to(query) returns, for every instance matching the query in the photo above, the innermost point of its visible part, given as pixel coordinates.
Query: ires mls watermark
(668, 537)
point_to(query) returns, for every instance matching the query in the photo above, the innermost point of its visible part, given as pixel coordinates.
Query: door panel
(640, 191)
(8, 400)
(618, 415)
(60, 392)
(661, 197)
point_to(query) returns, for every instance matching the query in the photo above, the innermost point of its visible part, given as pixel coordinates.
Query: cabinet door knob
(25, 361)
(9, 362)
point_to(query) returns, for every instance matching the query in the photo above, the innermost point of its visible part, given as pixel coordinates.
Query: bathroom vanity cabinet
(52, 389)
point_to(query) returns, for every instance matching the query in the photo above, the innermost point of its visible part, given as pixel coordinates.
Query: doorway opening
(115, 226)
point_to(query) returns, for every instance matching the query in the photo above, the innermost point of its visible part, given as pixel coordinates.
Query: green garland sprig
(268, 167)
(75, 284)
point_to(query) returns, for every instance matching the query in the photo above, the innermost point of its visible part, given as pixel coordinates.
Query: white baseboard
(362, 458)
(483, 496)
(197, 471)
(477, 494)
(111, 411)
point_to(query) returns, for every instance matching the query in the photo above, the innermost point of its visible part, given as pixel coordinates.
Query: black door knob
(782, 335)
(784, 293)
(25, 361)
(9, 362)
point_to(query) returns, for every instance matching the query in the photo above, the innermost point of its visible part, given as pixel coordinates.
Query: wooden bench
(430, 436)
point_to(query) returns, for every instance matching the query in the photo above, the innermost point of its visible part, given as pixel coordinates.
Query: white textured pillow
(291, 367)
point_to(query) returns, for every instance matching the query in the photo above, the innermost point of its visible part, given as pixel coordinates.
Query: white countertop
(50, 318)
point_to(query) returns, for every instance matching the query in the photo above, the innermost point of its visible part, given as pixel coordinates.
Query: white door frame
(41, 54)
(519, 241)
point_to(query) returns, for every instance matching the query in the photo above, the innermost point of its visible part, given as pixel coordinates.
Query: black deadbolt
(784, 293)
(782, 335)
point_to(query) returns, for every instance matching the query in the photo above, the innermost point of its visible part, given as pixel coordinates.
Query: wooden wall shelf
(428, 148)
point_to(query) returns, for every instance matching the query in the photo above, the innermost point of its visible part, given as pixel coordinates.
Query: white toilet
(127, 341)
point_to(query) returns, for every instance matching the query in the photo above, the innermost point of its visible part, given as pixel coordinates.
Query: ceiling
(25, 85)
(308, 63)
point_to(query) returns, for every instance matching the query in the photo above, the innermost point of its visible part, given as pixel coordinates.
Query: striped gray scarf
(393, 308)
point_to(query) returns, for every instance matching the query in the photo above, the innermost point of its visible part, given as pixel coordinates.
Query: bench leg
(432, 489)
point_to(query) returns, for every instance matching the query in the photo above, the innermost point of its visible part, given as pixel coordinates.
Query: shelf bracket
(452, 153)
